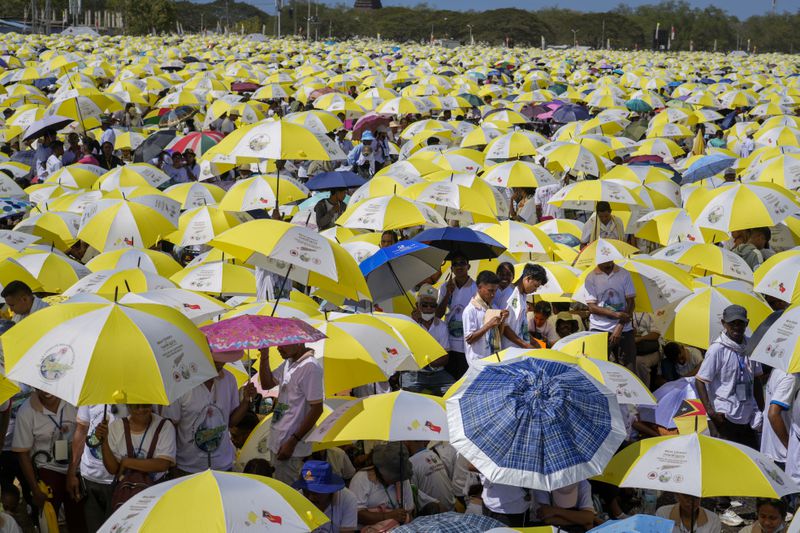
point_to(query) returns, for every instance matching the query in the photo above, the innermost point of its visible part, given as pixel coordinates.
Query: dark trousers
(624, 352)
(739, 433)
(511, 520)
(73, 510)
(456, 364)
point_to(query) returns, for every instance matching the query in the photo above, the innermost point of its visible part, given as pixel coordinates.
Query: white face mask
(427, 316)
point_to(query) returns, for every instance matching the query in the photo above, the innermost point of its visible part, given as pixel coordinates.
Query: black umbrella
(176, 116)
(462, 242)
(48, 124)
(153, 145)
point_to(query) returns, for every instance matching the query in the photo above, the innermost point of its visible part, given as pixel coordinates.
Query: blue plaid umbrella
(450, 523)
(534, 423)
(707, 166)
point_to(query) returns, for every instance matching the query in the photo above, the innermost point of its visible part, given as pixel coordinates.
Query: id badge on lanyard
(742, 383)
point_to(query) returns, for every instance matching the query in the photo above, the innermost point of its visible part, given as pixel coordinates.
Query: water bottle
(649, 501)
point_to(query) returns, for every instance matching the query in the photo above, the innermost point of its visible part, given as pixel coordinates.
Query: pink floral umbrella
(228, 338)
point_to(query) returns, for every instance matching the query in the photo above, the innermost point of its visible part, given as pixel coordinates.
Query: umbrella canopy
(230, 502)
(464, 242)
(48, 124)
(451, 523)
(698, 465)
(335, 180)
(534, 423)
(254, 332)
(195, 306)
(154, 145)
(391, 271)
(100, 352)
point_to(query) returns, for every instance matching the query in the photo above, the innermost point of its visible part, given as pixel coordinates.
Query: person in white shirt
(746, 146)
(727, 381)
(297, 408)
(704, 521)
(648, 349)
(602, 225)
(544, 210)
(780, 392)
(539, 325)
(202, 417)
(432, 378)
(516, 332)
(454, 296)
(506, 503)
(42, 439)
(429, 474)
(611, 299)
(482, 336)
(53, 163)
(505, 273)
(42, 154)
(20, 299)
(566, 507)
(525, 211)
(87, 459)
(108, 135)
(177, 172)
(151, 439)
(229, 123)
(327, 492)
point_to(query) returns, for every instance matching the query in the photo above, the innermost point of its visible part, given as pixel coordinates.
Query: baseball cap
(427, 291)
(734, 312)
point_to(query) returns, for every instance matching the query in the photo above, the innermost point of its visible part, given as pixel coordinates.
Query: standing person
(780, 392)
(327, 492)
(42, 435)
(648, 349)
(726, 381)
(482, 335)
(43, 152)
(454, 296)
(190, 164)
(516, 333)
(327, 210)
(525, 209)
(545, 211)
(87, 465)
(611, 299)
(297, 408)
(72, 150)
(432, 378)
(20, 299)
(756, 250)
(602, 225)
(54, 163)
(747, 146)
(108, 135)
(202, 417)
(107, 159)
(505, 273)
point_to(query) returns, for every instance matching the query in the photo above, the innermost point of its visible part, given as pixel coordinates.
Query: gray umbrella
(50, 123)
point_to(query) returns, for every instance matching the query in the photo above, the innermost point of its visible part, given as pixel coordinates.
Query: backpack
(134, 482)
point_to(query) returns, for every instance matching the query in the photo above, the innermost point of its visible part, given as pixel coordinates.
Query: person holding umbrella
(327, 210)
(454, 296)
(43, 152)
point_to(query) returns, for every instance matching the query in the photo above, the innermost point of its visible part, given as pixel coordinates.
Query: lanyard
(144, 436)
(742, 367)
(60, 422)
(389, 498)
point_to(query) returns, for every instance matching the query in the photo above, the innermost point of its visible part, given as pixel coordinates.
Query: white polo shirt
(781, 390)
(455, 310)
(92, 467)
(472, 319)
(342, 513)
(202, 417)
(37, 429)
(165, 447)
(517, 319)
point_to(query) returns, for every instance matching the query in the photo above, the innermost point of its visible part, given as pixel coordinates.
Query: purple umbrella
(570, 113)
(253, 332)
(371, 121)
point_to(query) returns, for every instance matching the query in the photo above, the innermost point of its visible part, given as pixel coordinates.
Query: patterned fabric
(198, 141)
(247, 332)
(450, 523)
(13, 206)
(535, 415)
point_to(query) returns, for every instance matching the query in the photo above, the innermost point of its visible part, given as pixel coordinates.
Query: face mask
(427, 316)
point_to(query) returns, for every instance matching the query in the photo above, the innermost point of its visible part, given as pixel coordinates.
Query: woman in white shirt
(681, 513)
(144, 427)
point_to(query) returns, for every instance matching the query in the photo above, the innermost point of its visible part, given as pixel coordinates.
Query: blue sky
(740, 8)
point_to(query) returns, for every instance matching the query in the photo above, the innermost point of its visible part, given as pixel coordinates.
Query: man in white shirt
(53, 163)
(611, 300)
(229, 123)
(727, 381)
(202, 417)
(746, 146)
(433, 378)
(602, 225)
(544, 210)
(482, 336)
(780, 392)
(454, 296)
(429, 474)
(20, 299)
(43, 152)
(297, 408)
(516, 332)
(109, 135)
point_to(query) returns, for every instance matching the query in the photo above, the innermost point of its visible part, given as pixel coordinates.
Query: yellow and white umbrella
(135, 258)
(115, 283)
(195, 194)
(779, 276)
(56, 272)
(217, 277)
(263, 192)
(673, 225)
(706, 258)
(113, 224)
(59, 228)
(514, 144)
(195, 306)
(78, 175)
(278, 140)
(387, 213)
(133, 175)
(517, 237)
(564, 156)
(518, 174)
(742, 206)
(103, 352)
(201, 224)
(231, 502)
(582, 194)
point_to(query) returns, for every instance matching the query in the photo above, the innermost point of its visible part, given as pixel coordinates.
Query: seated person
(538, 325)
(705, 521)
(567, 507)
(326, 491)
(566, 324)
(770, 517)
(680, 361)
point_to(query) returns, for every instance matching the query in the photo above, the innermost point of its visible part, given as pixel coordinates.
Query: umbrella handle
(396, 280)
(280, 291)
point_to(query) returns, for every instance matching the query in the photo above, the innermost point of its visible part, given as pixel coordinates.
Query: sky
(740, 8)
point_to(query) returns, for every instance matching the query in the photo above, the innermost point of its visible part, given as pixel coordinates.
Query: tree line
(624, 27)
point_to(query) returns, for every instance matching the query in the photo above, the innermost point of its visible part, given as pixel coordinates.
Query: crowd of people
(95, 457)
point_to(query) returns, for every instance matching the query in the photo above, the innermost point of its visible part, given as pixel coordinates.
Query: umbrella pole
(280, 291)
(396, 280)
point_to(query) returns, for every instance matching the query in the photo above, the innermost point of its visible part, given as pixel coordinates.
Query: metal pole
(308, 22)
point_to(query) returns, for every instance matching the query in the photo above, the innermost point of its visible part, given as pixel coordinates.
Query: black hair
(764, 232)
(536, 272)
(603, 207)
(487, 277)
(505, 265)
(248, 422)
(543, 308)
(780, 505)
(16, 288)
(672, 350)
(258, 467)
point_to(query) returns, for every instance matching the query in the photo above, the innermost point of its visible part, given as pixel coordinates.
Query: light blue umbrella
(640, 523)
(670, 397)
(450, 523)
(707, 166)
(535, 423)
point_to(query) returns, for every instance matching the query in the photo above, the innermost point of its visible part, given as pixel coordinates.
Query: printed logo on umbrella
(272, 518)
(56, 362)
(259, 142)
(415, 424)
(193, 307)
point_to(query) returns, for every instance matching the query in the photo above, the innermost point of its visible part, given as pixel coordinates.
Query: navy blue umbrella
(391, 271)
(570, 113)
(676, 176)
(335, 180)
(462, 242)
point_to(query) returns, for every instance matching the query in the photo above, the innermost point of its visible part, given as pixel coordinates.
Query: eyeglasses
(428, 304)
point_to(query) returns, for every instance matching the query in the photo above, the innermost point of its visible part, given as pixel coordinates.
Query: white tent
(80, 30)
